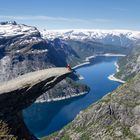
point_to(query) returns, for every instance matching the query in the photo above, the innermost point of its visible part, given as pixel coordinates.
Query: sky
(73, 14)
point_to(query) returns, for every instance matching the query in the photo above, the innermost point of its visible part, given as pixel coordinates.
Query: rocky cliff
(23, 50)
(129, 65)
(21, 92)
(115, 117)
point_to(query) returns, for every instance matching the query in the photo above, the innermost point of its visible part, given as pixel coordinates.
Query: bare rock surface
(19, 93)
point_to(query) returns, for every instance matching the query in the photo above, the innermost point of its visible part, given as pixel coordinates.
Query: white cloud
(57, 19)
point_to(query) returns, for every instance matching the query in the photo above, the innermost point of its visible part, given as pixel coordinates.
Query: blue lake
(45, 118)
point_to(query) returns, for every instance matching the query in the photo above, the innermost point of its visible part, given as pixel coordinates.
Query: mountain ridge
(113, 37)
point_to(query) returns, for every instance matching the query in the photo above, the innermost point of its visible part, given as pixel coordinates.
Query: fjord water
(45, 118)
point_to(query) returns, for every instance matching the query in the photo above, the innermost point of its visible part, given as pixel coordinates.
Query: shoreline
(61, 98)
(81, 77)
(111, 54)
(113, 78)
(117, 67)
(85, 62)
(110, 77)
(87, 59)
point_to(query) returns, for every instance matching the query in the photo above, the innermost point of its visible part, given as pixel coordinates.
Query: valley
(51, 117)
(25, 49)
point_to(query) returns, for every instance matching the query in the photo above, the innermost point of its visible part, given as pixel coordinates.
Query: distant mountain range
(112, 37)
(125, 38)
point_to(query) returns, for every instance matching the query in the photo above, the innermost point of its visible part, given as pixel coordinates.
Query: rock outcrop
(19, 93)
(23, 50)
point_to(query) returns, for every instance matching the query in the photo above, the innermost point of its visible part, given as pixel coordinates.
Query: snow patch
(114, 37)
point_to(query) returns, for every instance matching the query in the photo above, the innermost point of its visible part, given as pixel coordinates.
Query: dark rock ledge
(18, 94)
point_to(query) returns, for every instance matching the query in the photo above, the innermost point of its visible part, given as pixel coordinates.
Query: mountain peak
(11, 28)
(8, 22)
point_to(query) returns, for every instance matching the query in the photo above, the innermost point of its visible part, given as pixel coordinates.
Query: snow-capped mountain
(18, 45)
(112, 37)
(17, 37)
(14, 29)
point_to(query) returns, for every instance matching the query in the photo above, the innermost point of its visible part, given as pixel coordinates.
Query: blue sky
(71, 14)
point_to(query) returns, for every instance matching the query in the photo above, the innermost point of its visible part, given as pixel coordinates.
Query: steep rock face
(115, 117)
(18, 94)
(23, 50)
(129, 65)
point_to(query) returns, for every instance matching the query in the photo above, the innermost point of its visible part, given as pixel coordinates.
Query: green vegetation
(84, 136)
(66, 137)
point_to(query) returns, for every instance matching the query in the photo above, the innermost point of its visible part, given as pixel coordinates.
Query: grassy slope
(114, 117)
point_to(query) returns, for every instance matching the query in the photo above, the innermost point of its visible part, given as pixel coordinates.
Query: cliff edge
(19, 93)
